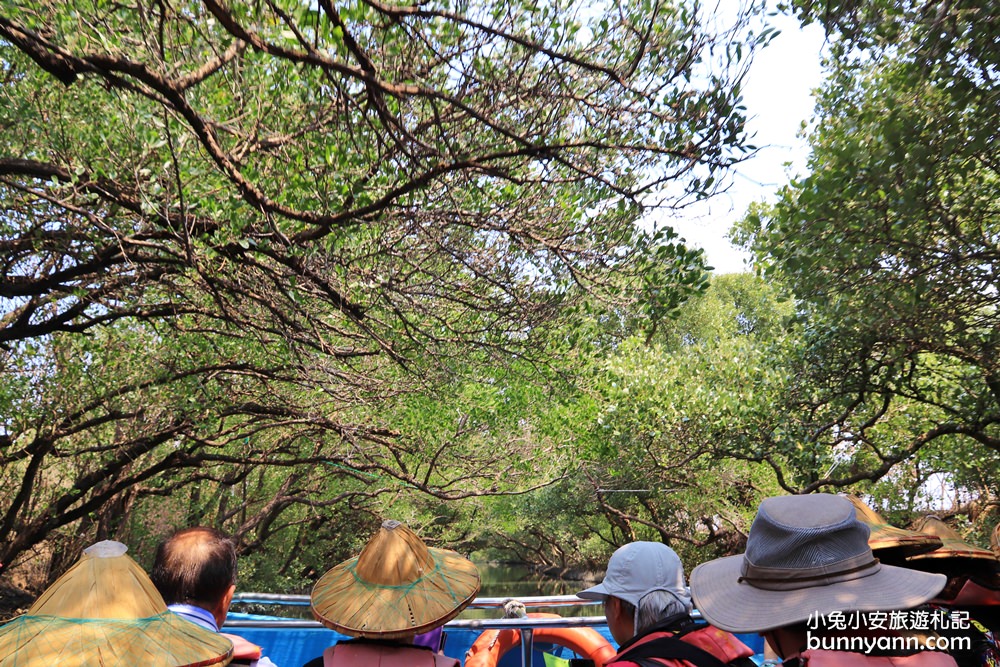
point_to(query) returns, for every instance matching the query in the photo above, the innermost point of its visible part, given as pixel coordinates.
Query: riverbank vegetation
(291, 269)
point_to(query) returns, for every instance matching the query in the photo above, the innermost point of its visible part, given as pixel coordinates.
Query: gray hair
(656, 606)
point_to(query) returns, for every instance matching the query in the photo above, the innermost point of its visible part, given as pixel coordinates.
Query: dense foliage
(247, 245)
(891, 246)
(289, 268)
(655, 423)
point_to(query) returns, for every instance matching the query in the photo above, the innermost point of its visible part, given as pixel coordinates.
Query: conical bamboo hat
(888, 542)
(952, 544)
(396, 587)
(956, 557)
(105, 611)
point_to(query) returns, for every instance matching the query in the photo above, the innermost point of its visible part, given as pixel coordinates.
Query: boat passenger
(890, 544)
(973, 580)
(649, 613)
(195, 572)
(810, 584)
(973, 588)
(397, 588)
(105, 611)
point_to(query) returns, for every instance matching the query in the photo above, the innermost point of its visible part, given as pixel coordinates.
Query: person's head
(955, 558)
(891, 545)
(805, 555)
(644, 584)
(104, 610)
(933, 546)
(197, 566)
(397, 588)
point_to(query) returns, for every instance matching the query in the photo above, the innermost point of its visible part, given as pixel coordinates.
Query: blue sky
(778, 96)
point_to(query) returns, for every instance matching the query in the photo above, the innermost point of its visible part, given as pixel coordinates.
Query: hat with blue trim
(105, 611)
(396, 588)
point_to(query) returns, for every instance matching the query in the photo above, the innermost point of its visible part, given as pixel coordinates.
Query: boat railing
(529, 601)
(526, 626)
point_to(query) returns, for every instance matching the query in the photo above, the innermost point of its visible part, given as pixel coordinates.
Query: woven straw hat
(956, 557)
(952, 544)
(105, 611)
(396, 588)
(805, 555)
(891, 544)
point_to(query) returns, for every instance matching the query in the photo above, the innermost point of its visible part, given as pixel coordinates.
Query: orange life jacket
(242, 649)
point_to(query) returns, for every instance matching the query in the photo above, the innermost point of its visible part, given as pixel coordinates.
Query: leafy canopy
(237, 237)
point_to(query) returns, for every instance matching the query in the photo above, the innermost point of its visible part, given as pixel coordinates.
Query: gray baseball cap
(639, 568)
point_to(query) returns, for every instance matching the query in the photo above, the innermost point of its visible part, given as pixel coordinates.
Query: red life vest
(719, 643)
(820, 658)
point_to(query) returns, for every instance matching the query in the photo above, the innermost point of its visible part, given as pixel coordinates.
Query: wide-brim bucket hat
(105, 611)
(805, 555)
(397, 587)
(889, 543)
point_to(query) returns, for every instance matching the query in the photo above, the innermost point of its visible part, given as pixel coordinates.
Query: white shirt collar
(197, 615)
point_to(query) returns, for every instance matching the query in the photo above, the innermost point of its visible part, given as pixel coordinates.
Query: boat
(291, 642)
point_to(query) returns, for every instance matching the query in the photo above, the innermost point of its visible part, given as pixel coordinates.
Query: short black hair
(195, 565)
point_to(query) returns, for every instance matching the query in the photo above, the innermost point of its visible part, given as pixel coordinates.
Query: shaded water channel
(514, 580)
